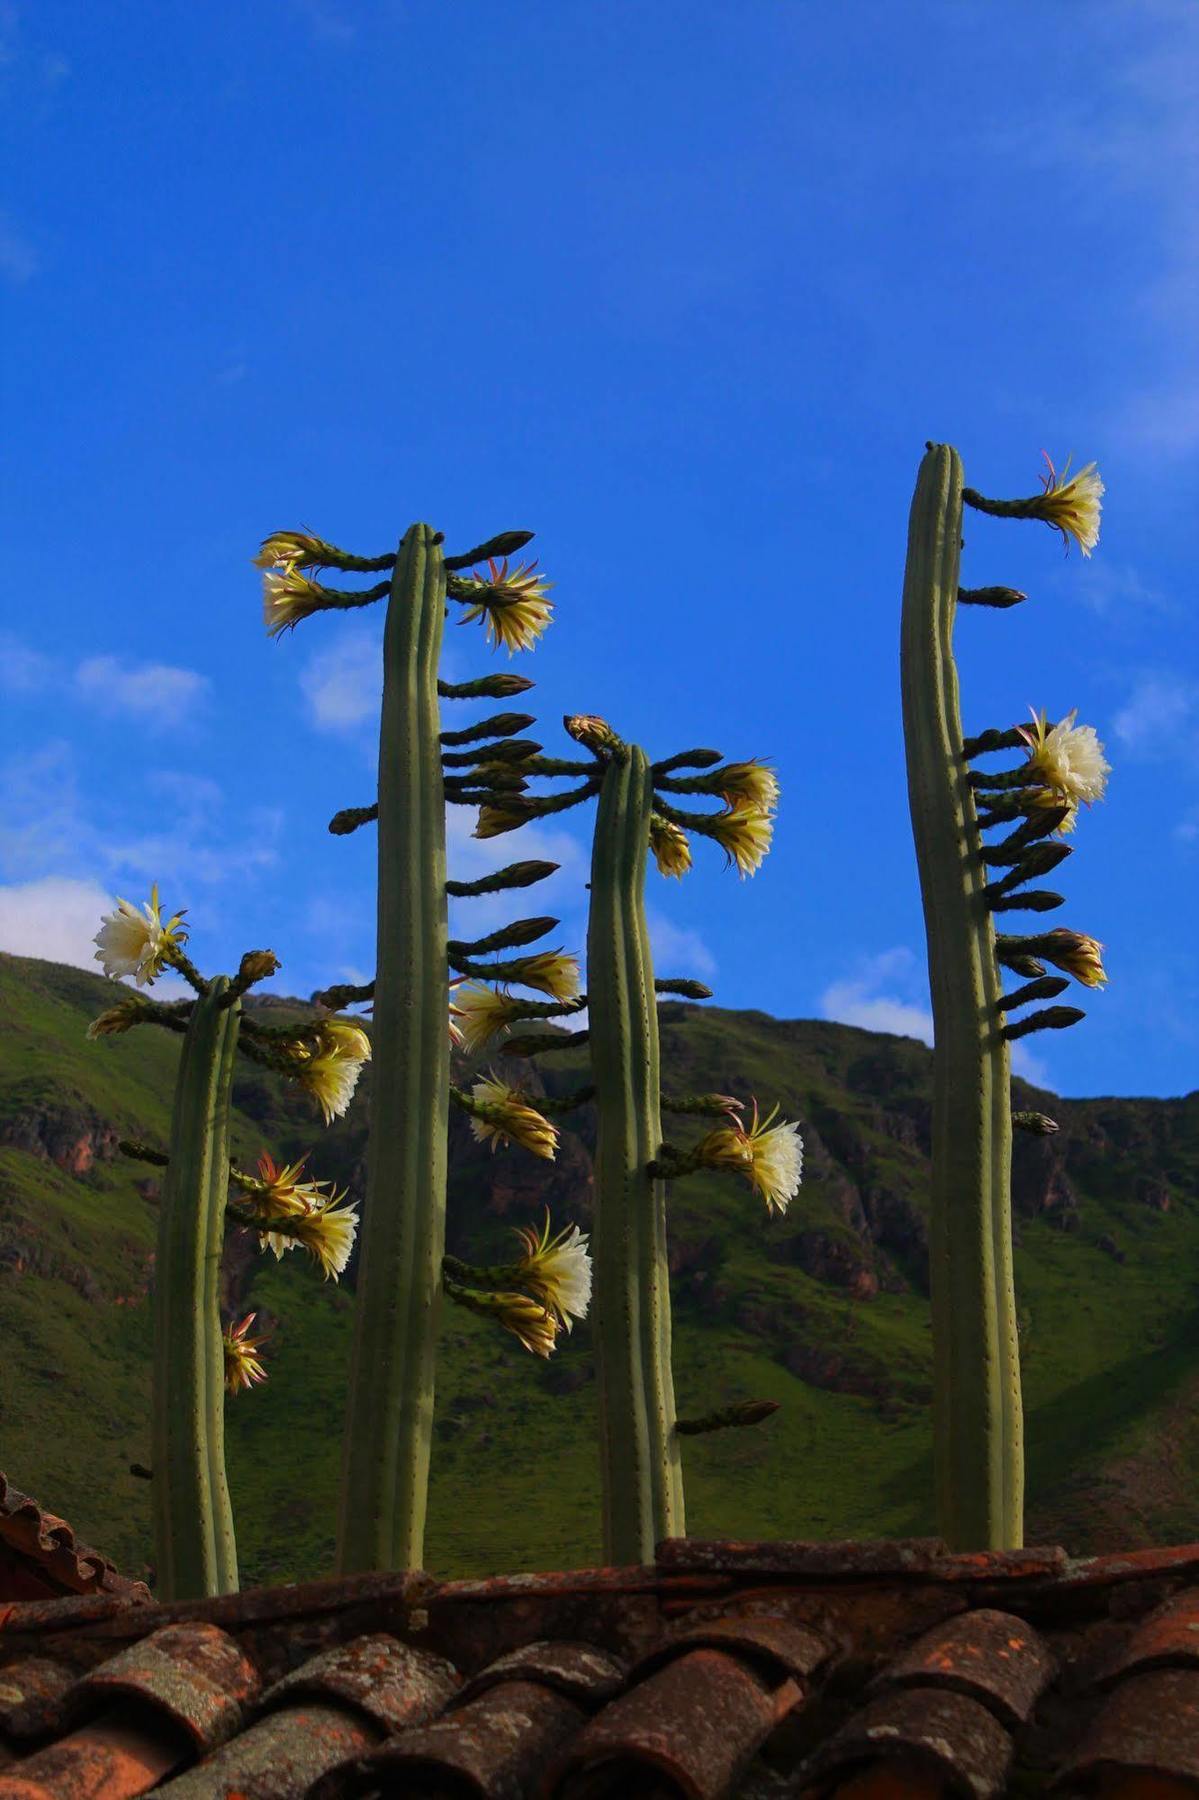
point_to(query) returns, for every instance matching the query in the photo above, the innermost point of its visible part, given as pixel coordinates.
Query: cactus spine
(389, 1420)
(195, 1551)
(641, 1467)
(977, 1413)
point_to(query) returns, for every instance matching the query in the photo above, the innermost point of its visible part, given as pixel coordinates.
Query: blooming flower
(1072, 507)
(137, 946)
(504, 1115)
(534, 1324)
(279, 1191)
(551, 972)
(743, 832)
(294, 549)
(242, 1367)
(750, 781)
(770, 1157)
(1074, 952)
(514, 605)
(1069, 760)
(330, 1073)
(287, 598)
(326, 1234)
(558, 1270)
(670, 845)
(484, 1011)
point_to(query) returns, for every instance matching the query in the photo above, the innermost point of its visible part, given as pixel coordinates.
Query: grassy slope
(1111, 1358)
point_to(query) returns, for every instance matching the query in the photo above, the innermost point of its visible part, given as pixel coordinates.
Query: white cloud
(55, 918)
(343, 685)
(1106, 587)
(677, 951)
(22, 669)
(155, 693)
(863, 1000)
(1161, 710)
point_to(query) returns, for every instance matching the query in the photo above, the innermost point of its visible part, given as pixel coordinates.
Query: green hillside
(824, 1310)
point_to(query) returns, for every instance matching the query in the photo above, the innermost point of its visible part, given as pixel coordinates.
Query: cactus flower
(743, 832)
(287, 598)
(1069, 759)
(589, 730)
(770, 1157)
(532, 1323)
(330, 1074)
(493, 821)
(1074, 952)
(242, 1367)
(117, 1018)
(514, 605)
(551, 972)
(1072, 507)
(670, 845)
(294, 550)
(326, 1234)
(483, 1011)
(753, 782)
(558, 1270)
(504, 1115)
(137, 946)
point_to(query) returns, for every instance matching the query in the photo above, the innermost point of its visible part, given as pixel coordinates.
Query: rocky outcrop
(829, 1258)
(71, 1136)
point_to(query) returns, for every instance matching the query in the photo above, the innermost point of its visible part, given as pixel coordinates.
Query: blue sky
(682, 288)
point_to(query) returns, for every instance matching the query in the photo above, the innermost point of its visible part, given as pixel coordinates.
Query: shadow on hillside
(1069, 1440)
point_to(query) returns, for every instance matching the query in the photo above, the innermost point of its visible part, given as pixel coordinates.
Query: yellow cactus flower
(670, 845)
(294, 550)
(743, 832)
(551, 972)
(242, 1367)
(754, 782)
(287, 598)
(769, 1156)
(137, 946)
(532, 1323)
(326, 1234)
(483, 1011)
(514, 605)
(1069, 759)
(1072, 506)
(558, 1270)
(1077, 954)
(330, 1073)
(279, 1191)
(504, 1115)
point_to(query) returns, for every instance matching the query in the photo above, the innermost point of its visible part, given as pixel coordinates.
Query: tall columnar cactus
(977, 1411)
(402, 1269)
(195, 1549)
(641, 1470)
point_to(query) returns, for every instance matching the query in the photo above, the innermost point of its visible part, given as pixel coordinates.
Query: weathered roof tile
(1148, 1725)
(937, 1730)
(1168, 1638)
(194, 1673)
(780, 1644)
(992, 1656)
(580, 1671)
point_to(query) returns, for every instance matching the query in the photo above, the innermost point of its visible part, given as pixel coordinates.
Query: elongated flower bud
(242, 1367)
(592, 732)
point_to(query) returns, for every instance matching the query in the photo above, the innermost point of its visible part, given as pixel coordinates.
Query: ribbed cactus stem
(389, 1420)
(977, 1415)
(641, 1468)
(195, 1553)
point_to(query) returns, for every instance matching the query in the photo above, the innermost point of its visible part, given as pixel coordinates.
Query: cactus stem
(1050, 1018)
(350, 818)
(990, 596)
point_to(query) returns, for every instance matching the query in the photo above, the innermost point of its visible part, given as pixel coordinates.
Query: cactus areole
(195, 1553)
(977, 1415)
(641, 1470)
(389, 1420)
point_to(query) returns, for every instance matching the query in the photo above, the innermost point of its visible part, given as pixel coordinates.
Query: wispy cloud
(157, 694)
(1111, 589)
(343, 684)
(678, 951)
(19, 261)
(22, 670)
(879, 996)
(1160, 716)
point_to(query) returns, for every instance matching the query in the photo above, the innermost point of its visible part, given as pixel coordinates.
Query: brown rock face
(72, 1137)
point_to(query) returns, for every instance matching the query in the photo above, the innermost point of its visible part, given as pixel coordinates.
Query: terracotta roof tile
(40, 1554)
(723, 1671)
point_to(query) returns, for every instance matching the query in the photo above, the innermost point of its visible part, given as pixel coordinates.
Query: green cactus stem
(990, 596)
(485, 687)
(499, 725)
(389, 1420)
(640, 1462)
(350, 818)
(687, 990)
(195, 1552)
(522, 874)
(538, 1043)
(742, 1412)
(977, 1413)
(508, 937)
(505, 543)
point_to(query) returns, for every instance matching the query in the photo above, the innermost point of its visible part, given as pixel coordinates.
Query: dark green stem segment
(742, 1412)
(640, 1463)
(389, 1419)
(195, 1552)
(977, 1411)
(521, 874)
